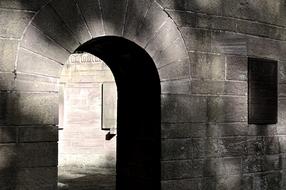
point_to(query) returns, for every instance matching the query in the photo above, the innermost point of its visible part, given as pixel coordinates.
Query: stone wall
(210, 145)
(200, 49)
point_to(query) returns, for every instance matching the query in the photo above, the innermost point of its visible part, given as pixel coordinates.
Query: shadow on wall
(22, 125)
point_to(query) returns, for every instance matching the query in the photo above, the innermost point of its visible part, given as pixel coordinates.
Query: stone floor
(77, 178)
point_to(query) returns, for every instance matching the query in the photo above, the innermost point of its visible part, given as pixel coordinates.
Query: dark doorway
(138, 117)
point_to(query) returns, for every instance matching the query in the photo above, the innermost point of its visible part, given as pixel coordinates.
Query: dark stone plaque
(262, 91)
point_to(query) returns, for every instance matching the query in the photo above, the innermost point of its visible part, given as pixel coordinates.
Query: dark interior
(138, 84)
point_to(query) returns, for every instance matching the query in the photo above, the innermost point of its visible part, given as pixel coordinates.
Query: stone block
(184, 184)
(29, 62)
(8, 134)
(39, 43)
(247, 182)
(236, 68)
(272, 145)
(32, 155)
(13, 22)
(179, 4)
(227, 129)
(176, 70)
(273, 162)
(176, 87)
(182, 169)
(222, 167)
(31, 5)
(91, 12)
(113, 14)
(38, 134)
(33, 83)
(233, 146)
(199, 147)
(135, 16)
(227, 109)
(232, 182)
(196, 39)
(183, 18)
(263, 11)
(167, 38)
(50, 23)
(179, 108)
(229, 43)
(7, 81)
(8, 51)
(281, 111)
(256, 146)
(253, 164)
(257, 29)
(183, 130)
(37, 178)
(282, 90)
(219, 88)
(282, 71)
(32, 108)
(207, 66)
(205, 6)
(8, 178)
(175, 52)
(176, 149)
(71, 16)
(151, 24)
(216, 23)
(265, 48)
(272, 180)
(3, 107)
(264, 130)
(8, 158)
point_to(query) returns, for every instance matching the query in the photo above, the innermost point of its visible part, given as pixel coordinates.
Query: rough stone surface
(32, 5)
(134, 16)
(8, 51)
(221, 109)
(13, 23)
(8, 134)
(176, 70)
(219, 88)
(71, 15)
(34, 83)
(32, 108)
(51, 24)
(45, 155)
(200, 48)
(38, 42)
(207, 66)
(38, 134)
(180, 108)
(32, 63)
(113, 14)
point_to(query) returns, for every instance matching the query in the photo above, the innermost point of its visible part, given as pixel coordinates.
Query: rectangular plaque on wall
(109, 106)
(262, 91)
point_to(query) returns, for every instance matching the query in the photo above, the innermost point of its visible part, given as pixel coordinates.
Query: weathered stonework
(200, 49)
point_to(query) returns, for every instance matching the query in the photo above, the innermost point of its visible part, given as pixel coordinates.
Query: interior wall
(82, 142)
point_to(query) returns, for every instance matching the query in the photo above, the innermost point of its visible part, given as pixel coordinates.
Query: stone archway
(47, 33)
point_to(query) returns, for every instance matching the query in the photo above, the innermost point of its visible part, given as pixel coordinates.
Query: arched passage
(138, 119)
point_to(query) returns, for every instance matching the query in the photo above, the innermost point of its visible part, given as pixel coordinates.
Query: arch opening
(138, 111)
(87, 115)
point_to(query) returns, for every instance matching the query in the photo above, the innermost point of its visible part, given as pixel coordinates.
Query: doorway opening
(138, 134)
(88, 121)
